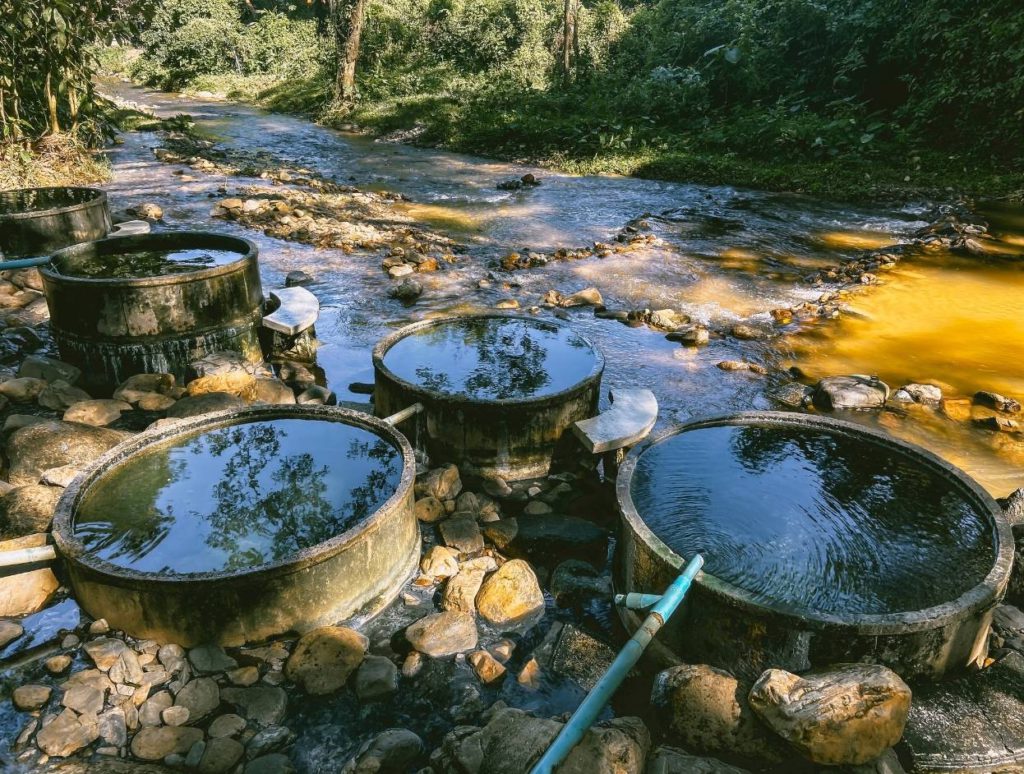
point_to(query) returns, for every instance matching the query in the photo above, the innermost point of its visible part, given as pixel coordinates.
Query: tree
(569, 42)
(347, 18)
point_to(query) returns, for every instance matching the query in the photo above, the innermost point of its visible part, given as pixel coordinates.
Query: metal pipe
(24, 263)
(404, 414)
(27, 556)
(584, 717)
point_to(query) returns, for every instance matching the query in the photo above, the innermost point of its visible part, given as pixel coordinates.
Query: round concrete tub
(37, 221)
(352, 574)
(115, 327)
(728, 626)
(500, 391)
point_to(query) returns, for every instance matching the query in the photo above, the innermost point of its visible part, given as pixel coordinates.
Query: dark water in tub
(238, 497)
(813, 519)
(148, 263)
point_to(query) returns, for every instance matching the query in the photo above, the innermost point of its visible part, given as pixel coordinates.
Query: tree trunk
(570, 41)
(51, 106)
(347, 17)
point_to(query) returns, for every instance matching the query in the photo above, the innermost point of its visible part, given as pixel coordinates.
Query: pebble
(57, 665)
(31, 697)
(9, 632)
(275, 763)
(178, 715)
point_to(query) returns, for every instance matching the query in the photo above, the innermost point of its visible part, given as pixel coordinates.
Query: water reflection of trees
(266, 505)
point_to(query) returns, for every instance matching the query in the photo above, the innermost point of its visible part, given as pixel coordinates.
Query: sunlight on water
(856, 240)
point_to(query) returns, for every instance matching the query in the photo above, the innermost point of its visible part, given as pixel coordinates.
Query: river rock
(429, 509)
(268, 740)
(136, 387)
(60, 396)
(463, 534)
(155, 743)
(263, 705)
(408, 290)
(210, 659)
(113, 727)
(690, 335)
(27, 509)
(29, 698)
(24, 389)
(706, 710)
(105, 652)
(747, 332)
(486, 666)
(928, 394)
(9, 632)
(62, 476)
(147, 211)
(98, 413)
(460, 592)
(22, 593)
(51, 444)
(991, 400)
(83, 699)
(194, 405)
(576, 581)
(585, 297)
(440, 562)
(220, 755)
(669, 760)
(272, 391)
(275, 763)
(442, 483)
(851, 392)
(391, 752)
(511, 594)
(849, 714)
(67, 734)
(48, 369)
(229, 724)
(200, 697)
(443, 634)
(376, 679)
(324, 658)
(513, 741)
(548, 538)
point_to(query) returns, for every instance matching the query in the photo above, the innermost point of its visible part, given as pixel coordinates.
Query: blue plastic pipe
(23, 263)
(584, 717)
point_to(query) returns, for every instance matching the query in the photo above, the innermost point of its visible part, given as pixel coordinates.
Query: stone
(846, 715)
(408, 290)
(318, 395)
(690, 336)
(957, 409)
(669, 760)
(62, 476)
(463, 534)
(60, 395)
(147, 211)
(991, 400)
(393, 751)
(443, 634)
(154, 743)
(922, 393)
(441, 483)
(98, 413)
(58, 665)
(460, 592)
(52, 444)
(429, 509)
(127, 669)
(585, 297)
(575, 654)
(226, 725)
(27, 509)
(48, 369)
(23, 389)
(275, 763)
(153, 401)
(113, 727)
(195, 405)
(551, 538)
(18, 421)
(575, 581)
(244, 676)
(537, 508)
(376, 679)
(200, 697)
(851, 392)
(105, 652)
(705, 710)
(9, 632)
(439, 563)
(511, 594)
(172, 657)
(22, 593)
(210, 659)
(83, 699)
(220, 755)
(263, 705)
(151, 711)
(136, 387)
(67, 734)
(268, 740)
(530, 675)
(194, 755)
(513, 741)
(324, 658)
(486, 666)
(29, 698)
(1013, 506)
(272, 391)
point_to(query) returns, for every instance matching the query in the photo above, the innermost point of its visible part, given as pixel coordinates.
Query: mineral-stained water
(146, 263)
(493, 358)
(238, 497)
(819, 520)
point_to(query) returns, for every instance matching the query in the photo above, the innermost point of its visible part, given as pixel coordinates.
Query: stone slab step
(297, 310)
(627, 422)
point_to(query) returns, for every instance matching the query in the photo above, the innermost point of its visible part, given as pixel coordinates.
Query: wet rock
(67, 734)
(154, 743)
(407, 291)
(62, 476)
(60, 395)
(429, 509)
(151, 711)
(1013, 506)
(298, 278)
(178, 715)
(585, 297)
(463, 534)
(273, 392)
(83, 699)
(220, 755)
(510, 595)
(244, 676)
(574, 581)
(690, 336)
(105, 652)
(194, 405)
(275, 763)
(127, 669)
(226, 725)
(927, 394)
(992, 400)
(706, 710)
(22, 593)
(550, 537)
(440, 562)
(9, 632)
(667, 319)
(27, 509)
(669, 760)
(747, 332)
(848, 714)
(441, 483)
(48, 369)
(513, 741)
(1000, 425)
(147, 211)
(792, 394)
(200, 697)
(324, 658)
(443, 634)
(376, 679)
(486, 666)
(51, 444)
(113, 727)
(851, 392)
(172, 657)
(392, 752)
(137, 387)
(210, 659)
(268, 740)
(263, 705)
(29, 698)
(23, 389)
(460, 591)
(317, 395)
(58, 665)
(575, 654)
(155, 402)
(239, 383)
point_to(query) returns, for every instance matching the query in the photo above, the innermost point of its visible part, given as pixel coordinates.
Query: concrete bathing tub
(825, 542)
(37, 221)
(499, 391)
(153, 303)
(238, 526)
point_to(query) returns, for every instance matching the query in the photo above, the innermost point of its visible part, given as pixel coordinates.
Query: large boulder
(324, 658)
(856, 391)
(847, 715)
(27, 509)
(511, 594)
(35, 449)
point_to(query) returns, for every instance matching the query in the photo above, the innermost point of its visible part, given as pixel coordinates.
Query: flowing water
(237, 497)
(147, 263)
(813, 519)
(491, 358)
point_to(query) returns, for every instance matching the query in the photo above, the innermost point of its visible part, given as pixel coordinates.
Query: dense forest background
(752, 89)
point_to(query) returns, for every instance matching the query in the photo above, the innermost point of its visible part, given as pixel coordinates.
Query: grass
(58, 160)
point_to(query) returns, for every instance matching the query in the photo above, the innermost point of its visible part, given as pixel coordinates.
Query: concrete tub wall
(31, 234)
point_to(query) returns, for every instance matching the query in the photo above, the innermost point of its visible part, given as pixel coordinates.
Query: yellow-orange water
(953, 321)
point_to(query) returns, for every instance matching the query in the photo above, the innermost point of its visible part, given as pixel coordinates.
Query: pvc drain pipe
(400, 416)
(587, 713)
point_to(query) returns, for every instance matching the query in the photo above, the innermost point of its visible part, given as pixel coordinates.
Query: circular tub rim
(71, 548)
(384, 345)
(249, 253)
(979, 597)
(99, 197)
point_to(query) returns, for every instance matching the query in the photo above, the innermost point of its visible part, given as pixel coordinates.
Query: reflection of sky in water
(813, 519)
(148, 263)
(492, 358)
(238, 497)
